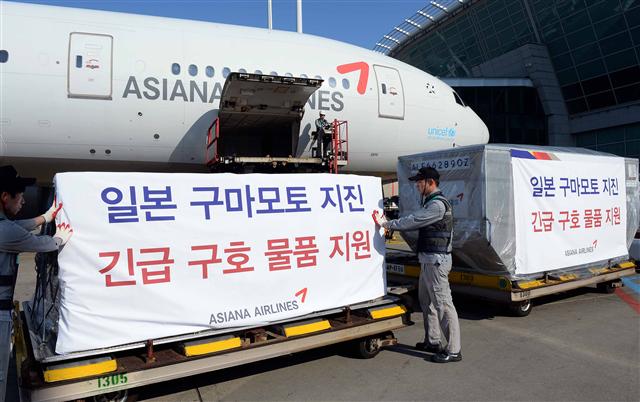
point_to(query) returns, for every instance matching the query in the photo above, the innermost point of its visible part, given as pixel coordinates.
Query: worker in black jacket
(434, 222)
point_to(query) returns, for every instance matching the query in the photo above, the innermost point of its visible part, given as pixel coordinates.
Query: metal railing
(340, 145)
(433, 12)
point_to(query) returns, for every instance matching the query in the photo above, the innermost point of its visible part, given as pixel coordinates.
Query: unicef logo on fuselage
(444, 133)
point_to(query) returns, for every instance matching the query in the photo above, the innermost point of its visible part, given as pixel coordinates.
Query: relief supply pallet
(117, 370)
(403, 269)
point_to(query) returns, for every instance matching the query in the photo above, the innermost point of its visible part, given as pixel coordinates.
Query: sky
(360, 22)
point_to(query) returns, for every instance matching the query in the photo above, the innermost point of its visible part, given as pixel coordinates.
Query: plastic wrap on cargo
(480, 184)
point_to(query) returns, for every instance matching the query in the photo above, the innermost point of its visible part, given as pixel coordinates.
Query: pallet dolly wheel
(521, 308)
(370, 346)
(609, 287)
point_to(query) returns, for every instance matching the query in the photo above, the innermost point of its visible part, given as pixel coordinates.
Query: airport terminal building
(547, 72)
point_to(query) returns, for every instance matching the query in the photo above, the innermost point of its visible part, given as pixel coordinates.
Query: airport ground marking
(633, 283)
(630, 300)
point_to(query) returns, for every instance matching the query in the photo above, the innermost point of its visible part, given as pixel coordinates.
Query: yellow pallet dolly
(404, 272)
(366, 327)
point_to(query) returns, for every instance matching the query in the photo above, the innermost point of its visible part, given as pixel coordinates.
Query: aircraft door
(390, 92)
(90, 66)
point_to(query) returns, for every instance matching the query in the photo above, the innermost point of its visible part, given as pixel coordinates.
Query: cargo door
(90, 66)
(260, 114)
(390, 92)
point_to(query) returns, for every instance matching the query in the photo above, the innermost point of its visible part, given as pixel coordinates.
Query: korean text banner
(155, 255)
(570, 209)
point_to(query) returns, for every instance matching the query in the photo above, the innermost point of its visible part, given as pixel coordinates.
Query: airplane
(95, 90)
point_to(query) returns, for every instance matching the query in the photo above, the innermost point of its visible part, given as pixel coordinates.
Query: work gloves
(379, 218)
(63, 232)
(50, 215)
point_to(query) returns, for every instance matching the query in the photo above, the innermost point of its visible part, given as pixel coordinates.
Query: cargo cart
(115, 371)
(403, 270)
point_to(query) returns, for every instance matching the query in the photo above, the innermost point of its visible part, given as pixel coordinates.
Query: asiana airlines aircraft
(94, 90)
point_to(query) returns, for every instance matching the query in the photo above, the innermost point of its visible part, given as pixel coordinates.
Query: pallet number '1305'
(112, 380)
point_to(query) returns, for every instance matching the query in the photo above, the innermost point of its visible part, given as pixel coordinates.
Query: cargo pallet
(115, 371)
(403, 270)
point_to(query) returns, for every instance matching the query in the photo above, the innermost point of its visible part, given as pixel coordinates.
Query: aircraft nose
(484, 131)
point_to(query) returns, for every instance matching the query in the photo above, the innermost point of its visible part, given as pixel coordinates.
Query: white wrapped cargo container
(158, 255)
(522, 211)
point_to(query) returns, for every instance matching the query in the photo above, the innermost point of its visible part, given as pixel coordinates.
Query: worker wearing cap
(434, 222)
(322, 137)
(15, 237)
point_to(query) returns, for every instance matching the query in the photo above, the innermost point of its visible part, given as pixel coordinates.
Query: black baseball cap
(426, 173)
(10, 181)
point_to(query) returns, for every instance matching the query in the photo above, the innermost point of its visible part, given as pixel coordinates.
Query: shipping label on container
(155, 255)
(570, 209)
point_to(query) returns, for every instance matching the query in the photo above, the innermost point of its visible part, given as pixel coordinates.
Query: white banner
(570, 209)
(154, 255)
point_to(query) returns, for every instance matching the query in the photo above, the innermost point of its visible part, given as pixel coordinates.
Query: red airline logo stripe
(302, 292)
(364, 74)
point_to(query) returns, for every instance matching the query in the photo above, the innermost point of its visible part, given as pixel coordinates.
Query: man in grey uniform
(434, 222)
(323, 138)
(15, 237)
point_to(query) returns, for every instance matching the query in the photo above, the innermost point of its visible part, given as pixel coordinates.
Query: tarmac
(580, 346)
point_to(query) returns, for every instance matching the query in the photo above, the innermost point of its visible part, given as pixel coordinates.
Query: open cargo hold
(522, 212)
(160, 256)
(261, 118)
(259, 123)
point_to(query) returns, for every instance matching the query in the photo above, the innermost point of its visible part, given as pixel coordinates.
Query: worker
(16, 237)
(323, 138)
(434, 222)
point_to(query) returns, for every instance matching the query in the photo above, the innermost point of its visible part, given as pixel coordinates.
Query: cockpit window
(458, 99)
(4, 56)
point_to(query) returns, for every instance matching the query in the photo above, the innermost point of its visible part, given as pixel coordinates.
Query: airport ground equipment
(44, 376)
(257, 128)
(510, 203)
(403, 270)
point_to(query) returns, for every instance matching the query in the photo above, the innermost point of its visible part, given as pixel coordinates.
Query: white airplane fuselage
(84, 89)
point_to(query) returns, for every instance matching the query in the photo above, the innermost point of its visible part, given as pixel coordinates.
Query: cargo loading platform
(365, 326)
(403, 271)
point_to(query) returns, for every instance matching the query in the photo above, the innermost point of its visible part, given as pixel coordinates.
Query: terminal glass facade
(595, 50)
(620, 140)
(487, 30)
(594, 45)
(513, 115)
